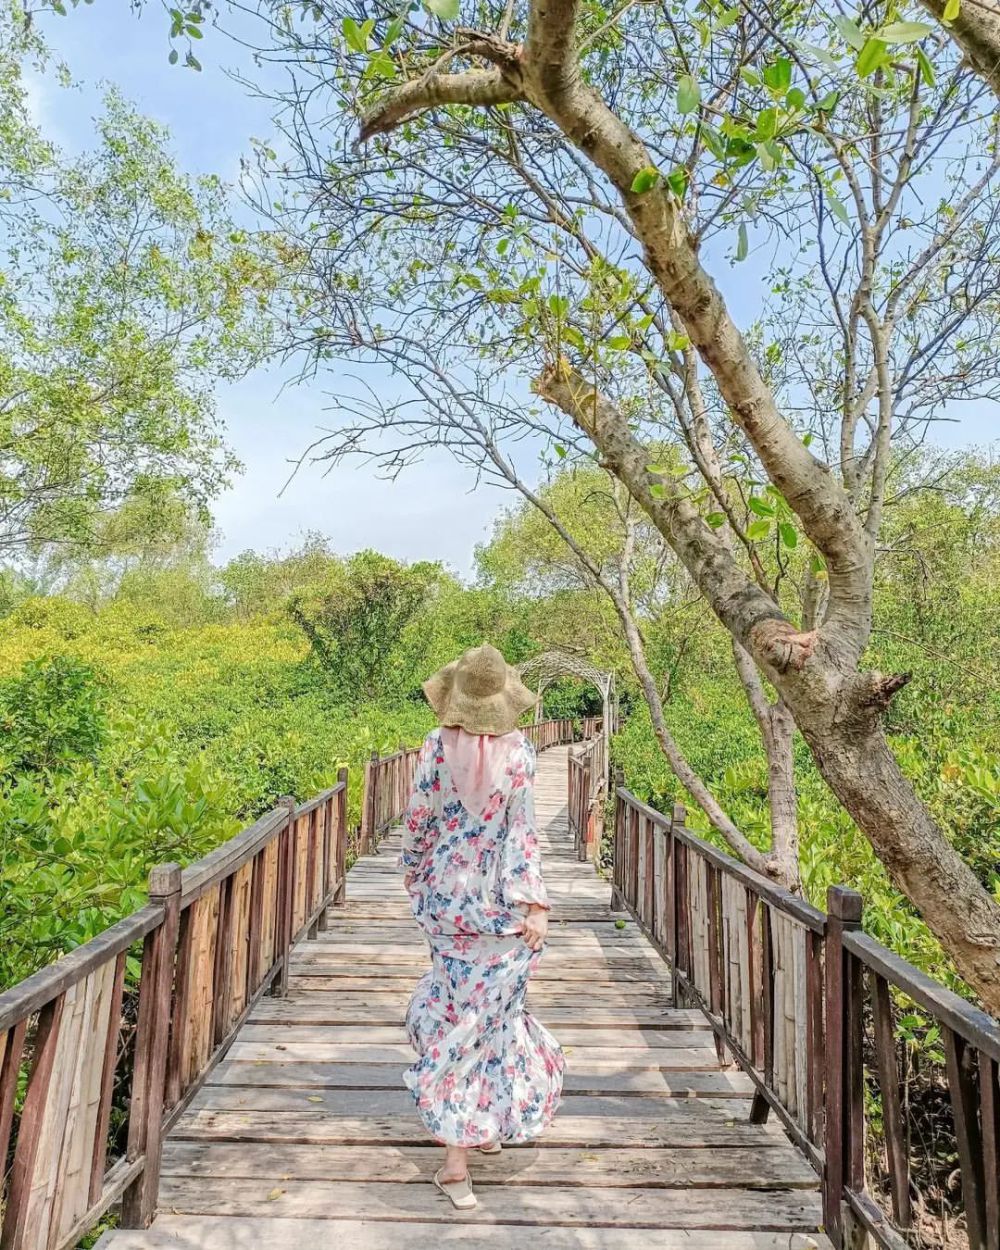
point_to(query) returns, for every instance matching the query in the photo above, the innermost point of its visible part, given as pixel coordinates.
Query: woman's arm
(418, 819)
(522, 880)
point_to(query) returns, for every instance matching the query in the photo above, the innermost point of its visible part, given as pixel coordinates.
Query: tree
(544, 193)
(584, 527)
(126, 292)
(357, 624)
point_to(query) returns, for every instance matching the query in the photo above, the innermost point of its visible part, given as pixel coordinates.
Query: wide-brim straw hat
(479, 692)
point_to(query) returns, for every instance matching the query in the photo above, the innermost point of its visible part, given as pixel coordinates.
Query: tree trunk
(837, 709)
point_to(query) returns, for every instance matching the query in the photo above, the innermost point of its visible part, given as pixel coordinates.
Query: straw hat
(479, 692)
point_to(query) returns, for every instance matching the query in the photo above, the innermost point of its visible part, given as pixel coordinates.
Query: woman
(488, 1072)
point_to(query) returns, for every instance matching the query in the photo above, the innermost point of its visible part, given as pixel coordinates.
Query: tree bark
(976, 31)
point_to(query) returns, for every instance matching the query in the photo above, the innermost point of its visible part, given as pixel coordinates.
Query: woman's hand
(536, 926)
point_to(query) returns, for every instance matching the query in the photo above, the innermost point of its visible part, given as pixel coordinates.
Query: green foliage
(189, 735)
(125, 292)
(361, 624)
(51, 715)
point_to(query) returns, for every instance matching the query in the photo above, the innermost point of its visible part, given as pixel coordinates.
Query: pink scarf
(478, 764)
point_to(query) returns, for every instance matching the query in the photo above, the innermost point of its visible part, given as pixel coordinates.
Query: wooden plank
(686, 1058)
(239, 945)
(71, 1176)
(635, 1042)
(657, 1167)
(311, 1079)
(679, 1115)
(11, 1055)
(892, 1114)
(959, 1058)
(545, 1205)
(232, 1233)
(358, 1010)
(99, 1156)
(40, 1194)
(201, 992)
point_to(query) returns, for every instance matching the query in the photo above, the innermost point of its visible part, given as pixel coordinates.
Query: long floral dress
(487, 1070)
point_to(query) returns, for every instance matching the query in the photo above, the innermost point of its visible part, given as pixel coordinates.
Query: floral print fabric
(487, 1070)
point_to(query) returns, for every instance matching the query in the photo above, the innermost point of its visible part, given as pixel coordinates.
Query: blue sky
(432, 511)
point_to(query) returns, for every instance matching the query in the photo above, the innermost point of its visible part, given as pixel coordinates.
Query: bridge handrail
(215, 937)
(388, 780)
(587, 783)
(788, 989)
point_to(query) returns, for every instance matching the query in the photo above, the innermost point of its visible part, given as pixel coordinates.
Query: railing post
(340, 851)
(844, 1133)
(369, 805)
(618, 850)
(286, 898)
(156, 984)
(675, 901)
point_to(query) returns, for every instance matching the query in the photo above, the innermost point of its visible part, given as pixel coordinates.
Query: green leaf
(816, 564)
(688, 94)
(446, 10)
(713, 141)
(952, 10)
(828, 102)
(837, 207)
(779, 75)
(661, 470)
(645, 180)
(194, 32)
(353, 34)
(619, 342)
(850, 32)
(715, 519)
(658, 490)
(742, 242)
(677, 342)
(560, 451)
(767, 124)
(572, 335)
(926, 68)
(769, 154)
(870, 57)
(795, 99)
(789, 534)
(678, 180)
(904, 32)
(757, 505)
(807, 439)
(820, 54)
(757, 530)
(174, 56)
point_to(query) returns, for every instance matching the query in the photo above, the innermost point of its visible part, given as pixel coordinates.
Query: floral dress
(487, 1070)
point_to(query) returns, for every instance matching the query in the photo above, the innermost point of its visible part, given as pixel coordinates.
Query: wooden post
(286, 899)
(369, 806)
(340, 852)
(844, 1076)
(618, 870)
(156, 981)
(674, 902)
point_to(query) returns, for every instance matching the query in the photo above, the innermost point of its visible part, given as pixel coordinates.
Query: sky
(432, 511)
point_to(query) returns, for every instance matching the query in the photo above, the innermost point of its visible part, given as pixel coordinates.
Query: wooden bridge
(714, 1028)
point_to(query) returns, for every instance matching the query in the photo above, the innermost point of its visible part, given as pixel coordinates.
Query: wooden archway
(544, 669)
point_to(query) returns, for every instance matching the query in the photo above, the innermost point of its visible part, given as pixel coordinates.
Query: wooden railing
(387, 790)
(811, 1008)
(549, 733)
(214, 937)
(587, 790)
(388, 780)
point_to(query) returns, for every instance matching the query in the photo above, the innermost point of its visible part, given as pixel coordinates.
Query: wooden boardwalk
(304, 1135)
